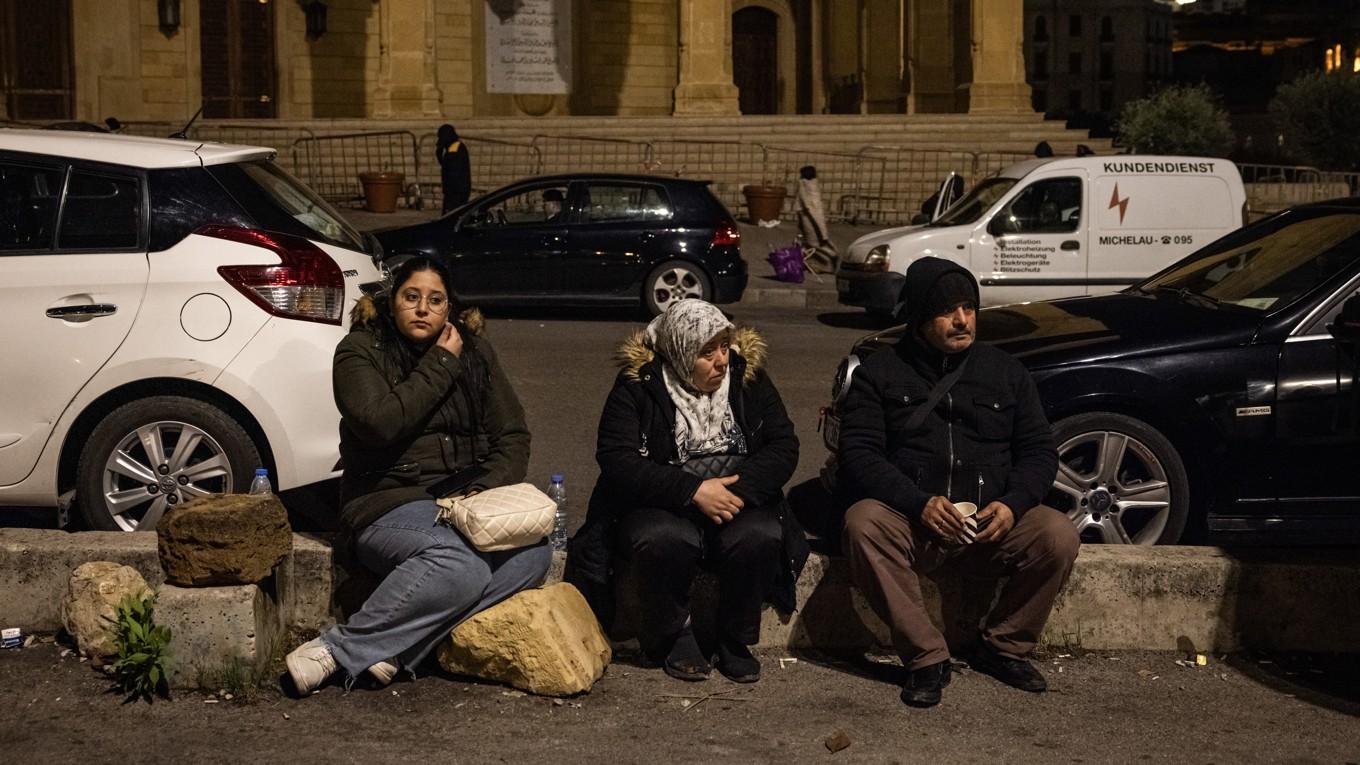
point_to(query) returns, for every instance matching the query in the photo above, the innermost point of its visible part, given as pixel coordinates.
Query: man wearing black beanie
(937, 420)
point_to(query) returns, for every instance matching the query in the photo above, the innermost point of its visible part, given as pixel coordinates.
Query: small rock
(227, 697)
(286, 717)
(29, 641)
(836, 741)
(558, 702)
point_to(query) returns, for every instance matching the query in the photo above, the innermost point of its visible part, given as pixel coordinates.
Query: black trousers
(666, 550)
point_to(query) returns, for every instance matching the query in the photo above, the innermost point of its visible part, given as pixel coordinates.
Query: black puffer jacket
(986, 440)
(400, 434)
(636, 445)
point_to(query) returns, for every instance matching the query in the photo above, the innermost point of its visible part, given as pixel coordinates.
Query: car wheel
(672, 281)
(1119, 480)
(156, 452)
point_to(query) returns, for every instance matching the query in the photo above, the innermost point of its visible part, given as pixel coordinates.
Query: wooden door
(37, 60)
(236, 43)
(755, 59)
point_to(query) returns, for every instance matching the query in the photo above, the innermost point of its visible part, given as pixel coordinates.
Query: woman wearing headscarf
(455, 169)
(694, 450)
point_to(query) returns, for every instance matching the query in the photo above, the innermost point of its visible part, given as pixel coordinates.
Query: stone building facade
(1093, 56)
(339, 59)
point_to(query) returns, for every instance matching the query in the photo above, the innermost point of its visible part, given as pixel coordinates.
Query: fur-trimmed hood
(364, 312)
(634, 354)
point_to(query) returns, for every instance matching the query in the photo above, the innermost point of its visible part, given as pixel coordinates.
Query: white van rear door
(1038, 239)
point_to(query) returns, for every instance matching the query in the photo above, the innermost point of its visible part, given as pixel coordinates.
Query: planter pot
(381, 191)
(764, 202)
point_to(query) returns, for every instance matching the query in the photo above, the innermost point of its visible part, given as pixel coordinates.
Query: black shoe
(685, 661)
(736, 662)
(924, 686)
(1016, 673)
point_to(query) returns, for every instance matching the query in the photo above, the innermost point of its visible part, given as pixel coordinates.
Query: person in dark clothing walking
(982, 438)
(421, 397)
(455, 169)
(694, 450)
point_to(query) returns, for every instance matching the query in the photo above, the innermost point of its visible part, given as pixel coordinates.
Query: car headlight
(877, 259)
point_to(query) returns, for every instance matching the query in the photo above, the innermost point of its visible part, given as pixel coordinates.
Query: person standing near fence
(812, 221)
(455, 169)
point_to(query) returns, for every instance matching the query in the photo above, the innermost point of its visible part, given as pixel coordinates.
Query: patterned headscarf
(703, 422)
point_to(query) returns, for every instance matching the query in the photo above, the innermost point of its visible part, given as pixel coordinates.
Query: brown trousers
(888, 553)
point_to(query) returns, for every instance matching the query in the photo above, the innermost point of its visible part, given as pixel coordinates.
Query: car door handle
(90, 311)
(1071, 244)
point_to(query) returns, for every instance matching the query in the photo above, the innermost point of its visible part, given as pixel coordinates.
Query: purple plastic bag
(788, 263)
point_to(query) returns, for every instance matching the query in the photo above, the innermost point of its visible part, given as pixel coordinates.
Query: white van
(1057, 227)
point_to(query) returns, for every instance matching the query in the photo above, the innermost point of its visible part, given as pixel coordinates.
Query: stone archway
(769, 26)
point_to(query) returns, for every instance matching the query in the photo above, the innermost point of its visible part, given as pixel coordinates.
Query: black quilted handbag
(713, 465)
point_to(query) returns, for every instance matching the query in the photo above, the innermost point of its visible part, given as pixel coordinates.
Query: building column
(706, 86)
(998, 58)
(406, 69)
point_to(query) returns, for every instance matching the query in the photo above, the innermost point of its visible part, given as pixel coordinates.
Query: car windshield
(976, 202)
(270, 193)
(1266, 266)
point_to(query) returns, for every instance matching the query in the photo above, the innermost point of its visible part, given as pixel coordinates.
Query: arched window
(1040, 28)
(1106, 29)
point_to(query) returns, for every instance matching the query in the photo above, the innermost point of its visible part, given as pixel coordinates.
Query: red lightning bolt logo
(1122, 204)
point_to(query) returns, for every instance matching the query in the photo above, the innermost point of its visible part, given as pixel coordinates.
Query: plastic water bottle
(558, 491)
(261, 483)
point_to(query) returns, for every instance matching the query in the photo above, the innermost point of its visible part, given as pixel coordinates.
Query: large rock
(93, 592)
(227, 539)
(544, 641)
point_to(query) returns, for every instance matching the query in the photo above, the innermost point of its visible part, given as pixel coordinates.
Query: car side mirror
(1346, 328)
(997, 226)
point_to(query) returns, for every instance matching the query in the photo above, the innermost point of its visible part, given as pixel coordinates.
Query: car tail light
(306, 284)
(727, 235)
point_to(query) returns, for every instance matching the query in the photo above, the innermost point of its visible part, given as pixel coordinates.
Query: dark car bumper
(729, 279)
(878, 291)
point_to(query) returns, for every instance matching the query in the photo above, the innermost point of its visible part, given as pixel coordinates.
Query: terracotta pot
(764, 202)
(381, 190)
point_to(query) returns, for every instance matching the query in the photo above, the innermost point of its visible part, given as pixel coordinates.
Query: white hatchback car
(171, 311)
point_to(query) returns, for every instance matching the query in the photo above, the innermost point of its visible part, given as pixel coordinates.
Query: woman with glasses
(426, 411)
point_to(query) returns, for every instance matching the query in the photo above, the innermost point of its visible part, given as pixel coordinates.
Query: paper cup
(969, 512)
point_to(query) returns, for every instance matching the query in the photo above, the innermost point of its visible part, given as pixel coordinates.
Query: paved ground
(1103, 708)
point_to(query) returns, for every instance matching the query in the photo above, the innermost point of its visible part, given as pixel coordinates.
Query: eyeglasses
(435, 302)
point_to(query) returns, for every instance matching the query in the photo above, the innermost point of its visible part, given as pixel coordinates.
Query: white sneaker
(384, 672)
(309, 665)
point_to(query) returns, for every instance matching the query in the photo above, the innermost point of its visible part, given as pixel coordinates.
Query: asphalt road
(1101, 708)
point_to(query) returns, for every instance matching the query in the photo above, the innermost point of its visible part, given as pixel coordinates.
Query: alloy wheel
(1118, 488)
(159, 465)
(673, 284)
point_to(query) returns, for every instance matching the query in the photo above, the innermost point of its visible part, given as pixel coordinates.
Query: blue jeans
(433, 579)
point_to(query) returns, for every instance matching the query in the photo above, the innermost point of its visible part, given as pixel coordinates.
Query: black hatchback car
(585, 239)
(1219, 395)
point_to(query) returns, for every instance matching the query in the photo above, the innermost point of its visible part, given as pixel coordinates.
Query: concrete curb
(789, 297)
(1119, 598)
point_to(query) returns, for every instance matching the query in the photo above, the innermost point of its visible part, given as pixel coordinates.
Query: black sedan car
(1217, 396)
(585, 240)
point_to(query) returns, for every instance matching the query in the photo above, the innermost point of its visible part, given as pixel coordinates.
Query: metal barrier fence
(728, 165)
(574, 154)
(912, 175)
(1271, 188)
(331, 164)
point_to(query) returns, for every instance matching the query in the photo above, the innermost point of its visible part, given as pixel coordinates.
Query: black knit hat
(949, 291)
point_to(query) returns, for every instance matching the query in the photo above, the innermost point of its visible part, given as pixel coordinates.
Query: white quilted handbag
(502, 518)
